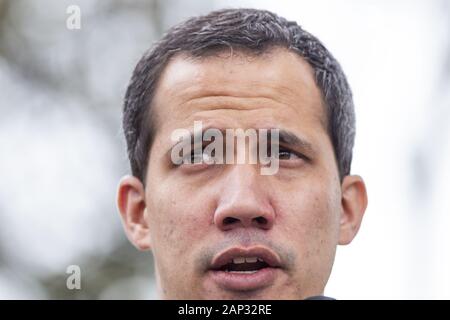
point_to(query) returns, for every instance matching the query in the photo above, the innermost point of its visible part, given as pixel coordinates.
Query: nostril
(229, 220)
(257, 221)
(261, 220)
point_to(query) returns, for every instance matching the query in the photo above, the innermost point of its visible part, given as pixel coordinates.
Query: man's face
(201, 221)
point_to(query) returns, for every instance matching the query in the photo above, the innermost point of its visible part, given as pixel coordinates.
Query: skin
(302, 213)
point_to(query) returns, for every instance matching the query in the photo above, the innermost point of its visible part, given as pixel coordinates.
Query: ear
(353, 206)
(132, 208)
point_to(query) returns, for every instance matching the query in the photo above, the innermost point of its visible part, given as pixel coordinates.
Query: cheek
(313, 203)
(310, 217)
(178, 219)
(178, 224)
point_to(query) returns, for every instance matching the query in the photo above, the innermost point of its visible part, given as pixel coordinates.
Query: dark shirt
(319, 298)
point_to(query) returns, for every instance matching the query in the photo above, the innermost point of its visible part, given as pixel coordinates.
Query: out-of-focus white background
(62, 151)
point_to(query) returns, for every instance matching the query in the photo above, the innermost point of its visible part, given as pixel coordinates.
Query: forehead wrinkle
(183, 72)
(211, 103)
(196, 86)
(185, 90)
(211, 100)
(257, 109)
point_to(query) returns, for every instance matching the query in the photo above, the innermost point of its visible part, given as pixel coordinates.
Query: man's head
(234, 69)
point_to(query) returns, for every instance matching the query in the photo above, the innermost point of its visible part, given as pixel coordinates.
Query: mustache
(246, 238)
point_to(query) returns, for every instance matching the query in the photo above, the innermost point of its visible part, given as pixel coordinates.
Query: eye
(192, 158)
(286, 154)
(197, 158)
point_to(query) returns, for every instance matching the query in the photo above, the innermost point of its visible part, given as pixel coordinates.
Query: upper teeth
(239, 260)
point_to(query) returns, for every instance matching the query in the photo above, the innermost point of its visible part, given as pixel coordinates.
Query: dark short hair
(250, 30)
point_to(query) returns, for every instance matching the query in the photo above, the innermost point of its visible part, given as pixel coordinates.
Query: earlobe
(353, 205)
(133, 211)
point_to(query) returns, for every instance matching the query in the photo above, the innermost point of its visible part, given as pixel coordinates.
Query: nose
(244, 201)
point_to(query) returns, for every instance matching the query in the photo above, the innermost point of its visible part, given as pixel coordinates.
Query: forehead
(236, 90)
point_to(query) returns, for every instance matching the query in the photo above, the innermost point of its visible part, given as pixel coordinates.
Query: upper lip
(264, 253)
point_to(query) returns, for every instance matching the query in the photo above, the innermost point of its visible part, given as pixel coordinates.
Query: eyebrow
(286, 137)
(289, 138)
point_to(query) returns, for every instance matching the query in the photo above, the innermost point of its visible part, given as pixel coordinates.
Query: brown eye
(193, 158)
(285, 154)
(197, 158)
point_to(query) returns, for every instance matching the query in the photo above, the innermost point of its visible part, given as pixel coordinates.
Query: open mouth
(244, 269)
(245, 265)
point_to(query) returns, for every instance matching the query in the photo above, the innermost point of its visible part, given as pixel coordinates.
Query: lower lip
(244, 281)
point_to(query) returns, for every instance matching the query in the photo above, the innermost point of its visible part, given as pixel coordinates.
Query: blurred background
(62, 152)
